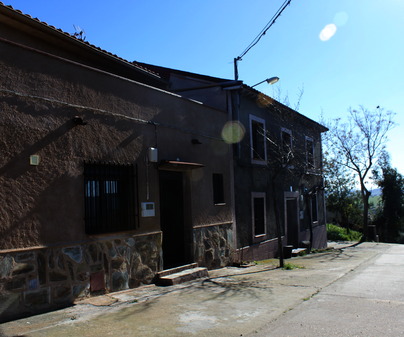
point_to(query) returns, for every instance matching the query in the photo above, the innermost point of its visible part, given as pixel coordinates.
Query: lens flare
(233, 132)
(328, 32)
(341, 18)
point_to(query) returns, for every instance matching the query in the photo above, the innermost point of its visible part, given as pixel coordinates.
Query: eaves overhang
(268, 101)
(14, 17)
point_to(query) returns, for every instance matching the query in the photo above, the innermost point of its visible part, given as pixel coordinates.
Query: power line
(261, 34)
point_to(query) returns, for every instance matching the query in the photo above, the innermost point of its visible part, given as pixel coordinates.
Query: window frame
(254, 150)
(258, 195)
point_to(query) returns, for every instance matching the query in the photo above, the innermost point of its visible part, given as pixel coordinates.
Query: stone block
(83, 277)
(62, 294)
(118, 263)
(97, 281)
(96, 267)
(74, 253)
(6, 266)
(57, 276)
(33, 284)
(130, 242)
(120, 281)
(70, 269)
(26, 256)
(9, 303)
(80, 290)
(23, 268)
(93, 250)
(41, 263)
(37, 298)
(15, 284)
(60, 261)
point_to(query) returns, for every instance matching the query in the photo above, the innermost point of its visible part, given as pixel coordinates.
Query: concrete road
(368, 301)
(350, 291)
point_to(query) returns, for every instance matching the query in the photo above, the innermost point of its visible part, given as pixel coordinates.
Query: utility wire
(265, 29)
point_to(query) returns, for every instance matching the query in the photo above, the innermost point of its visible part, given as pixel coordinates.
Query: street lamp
(270, 80)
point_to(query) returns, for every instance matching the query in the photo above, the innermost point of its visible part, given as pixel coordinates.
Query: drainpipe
(311, 223)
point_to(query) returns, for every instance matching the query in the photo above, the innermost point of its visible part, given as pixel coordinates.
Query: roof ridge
(88, 44)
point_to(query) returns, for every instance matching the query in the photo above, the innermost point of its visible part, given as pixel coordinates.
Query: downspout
(230, 98)
(311, 223)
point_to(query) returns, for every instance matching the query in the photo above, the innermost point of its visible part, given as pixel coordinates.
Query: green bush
(337, 233)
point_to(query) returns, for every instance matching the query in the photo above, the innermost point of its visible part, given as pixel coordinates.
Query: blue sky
(361, 64)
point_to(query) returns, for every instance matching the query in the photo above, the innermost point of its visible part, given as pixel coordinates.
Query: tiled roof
(89, 45)
(165, 72)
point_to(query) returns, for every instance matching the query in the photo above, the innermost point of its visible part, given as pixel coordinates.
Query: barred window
(109, 193)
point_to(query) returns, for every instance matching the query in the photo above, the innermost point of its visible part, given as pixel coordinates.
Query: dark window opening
(258, 140)
(259, 215)
(218, 189)
(314, 209)
(310, 152)
(286, 141)
(109, 193)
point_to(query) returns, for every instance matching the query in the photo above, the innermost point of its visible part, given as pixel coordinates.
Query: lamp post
(270, 80)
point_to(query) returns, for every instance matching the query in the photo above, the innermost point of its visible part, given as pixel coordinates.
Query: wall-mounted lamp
(271, 80)
(77, 120)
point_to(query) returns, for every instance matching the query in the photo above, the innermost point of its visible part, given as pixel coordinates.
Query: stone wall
(37, 280)
(267, 249)
(213, 245)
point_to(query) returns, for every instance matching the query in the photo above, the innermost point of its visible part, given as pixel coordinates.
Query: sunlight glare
(328, 32)
(341, 18)
(233, 132)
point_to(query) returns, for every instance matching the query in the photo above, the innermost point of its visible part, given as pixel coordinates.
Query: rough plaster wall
(43, 204)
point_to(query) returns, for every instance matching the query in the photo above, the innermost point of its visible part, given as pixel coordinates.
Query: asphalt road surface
(349, 291)
(369, 301)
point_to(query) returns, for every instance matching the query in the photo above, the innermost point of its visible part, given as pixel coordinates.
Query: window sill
(258, 162)
(259, 235)
(259, 238)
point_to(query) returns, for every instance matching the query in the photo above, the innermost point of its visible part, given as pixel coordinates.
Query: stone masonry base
(46, 278)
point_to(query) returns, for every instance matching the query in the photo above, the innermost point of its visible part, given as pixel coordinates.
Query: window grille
(109, 193)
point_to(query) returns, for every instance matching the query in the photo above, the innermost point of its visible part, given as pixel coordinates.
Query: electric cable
(265, 29)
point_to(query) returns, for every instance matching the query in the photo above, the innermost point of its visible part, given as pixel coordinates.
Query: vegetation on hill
(337, 233)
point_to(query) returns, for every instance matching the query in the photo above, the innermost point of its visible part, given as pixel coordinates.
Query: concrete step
(180, 275)
(299, 251)
(170, 271)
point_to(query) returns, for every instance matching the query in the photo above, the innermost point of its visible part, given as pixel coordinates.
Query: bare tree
(359, 144)
(284, 99)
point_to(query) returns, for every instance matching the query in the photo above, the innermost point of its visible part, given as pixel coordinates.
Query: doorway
(172, 219)
(292, 219)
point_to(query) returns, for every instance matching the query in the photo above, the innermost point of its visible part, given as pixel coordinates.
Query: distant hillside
(376, 192)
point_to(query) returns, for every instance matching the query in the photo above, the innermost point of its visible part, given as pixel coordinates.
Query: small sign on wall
(34, 160)
(148, 209)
